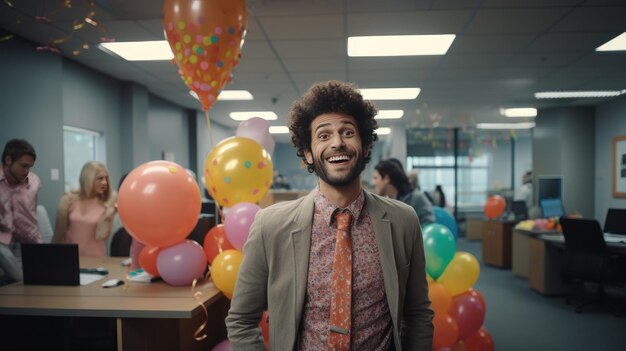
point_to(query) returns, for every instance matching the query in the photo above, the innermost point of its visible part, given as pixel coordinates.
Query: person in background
(85, 216)
(296, 248)
(525, 191)
(18, 206)
(280, 181)
(391, 181)
(439, 198)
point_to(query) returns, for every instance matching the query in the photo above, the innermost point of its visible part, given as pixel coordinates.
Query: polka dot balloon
(206, 39)
(238, 170)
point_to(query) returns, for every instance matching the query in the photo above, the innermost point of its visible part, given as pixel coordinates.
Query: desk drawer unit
(497, 243)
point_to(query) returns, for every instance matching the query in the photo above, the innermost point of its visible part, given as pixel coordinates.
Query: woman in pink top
(85, 216)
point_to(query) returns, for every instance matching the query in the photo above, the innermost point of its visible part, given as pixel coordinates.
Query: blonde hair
(87, 177)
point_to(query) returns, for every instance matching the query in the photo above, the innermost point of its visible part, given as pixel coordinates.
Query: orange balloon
(148, 259)
(440, 298)
(446, 332)
(494, 206)
(159, 203)
(206, 39)
(216, 242)
(225, 269)
(265, 328)
(458, 346)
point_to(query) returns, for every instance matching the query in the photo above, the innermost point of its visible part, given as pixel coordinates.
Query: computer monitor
(552, 207)
(549, 187)
(615, 222)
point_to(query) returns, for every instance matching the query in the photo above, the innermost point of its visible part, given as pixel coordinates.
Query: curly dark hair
(328, 97)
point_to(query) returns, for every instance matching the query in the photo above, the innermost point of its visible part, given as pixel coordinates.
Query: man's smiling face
(336, 149)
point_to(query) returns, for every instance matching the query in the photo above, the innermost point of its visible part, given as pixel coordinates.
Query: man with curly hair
(290, 267)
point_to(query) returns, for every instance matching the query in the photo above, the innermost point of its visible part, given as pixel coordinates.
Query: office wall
(288, 164)
(610, 122)
(167, 131)
(31, 100)
(564, 144)
(41, 91)
(92, 101)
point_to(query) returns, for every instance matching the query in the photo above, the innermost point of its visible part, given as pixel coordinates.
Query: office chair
(120, 243)
(586, 258)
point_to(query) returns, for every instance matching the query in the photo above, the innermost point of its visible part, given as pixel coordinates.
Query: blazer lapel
(301, 243)
(384, 239)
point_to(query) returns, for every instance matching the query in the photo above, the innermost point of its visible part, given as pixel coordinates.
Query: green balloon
(439, 248)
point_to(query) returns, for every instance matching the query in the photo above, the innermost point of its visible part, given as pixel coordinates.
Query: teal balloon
(439, 248)
(444, 217)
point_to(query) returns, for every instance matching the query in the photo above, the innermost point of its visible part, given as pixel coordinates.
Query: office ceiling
(504, 52)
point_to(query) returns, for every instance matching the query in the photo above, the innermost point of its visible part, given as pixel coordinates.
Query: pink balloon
(268, 143)
(224, 345)
(180, 264)
(257, 129)
(238, 221)
(469, 312)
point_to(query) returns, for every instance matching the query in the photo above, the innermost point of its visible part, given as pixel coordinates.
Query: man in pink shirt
(18, 205)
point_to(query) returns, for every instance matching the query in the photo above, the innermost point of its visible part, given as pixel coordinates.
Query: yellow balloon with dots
(238, 170)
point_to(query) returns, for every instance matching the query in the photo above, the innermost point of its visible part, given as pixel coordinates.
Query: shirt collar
(3, 178)
(326, 209)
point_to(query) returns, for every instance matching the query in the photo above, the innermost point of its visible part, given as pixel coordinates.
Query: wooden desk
(520, 254)
(497, 242)
(152, 316)
(544, 270)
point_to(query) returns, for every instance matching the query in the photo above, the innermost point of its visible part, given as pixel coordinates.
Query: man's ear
(309, 156)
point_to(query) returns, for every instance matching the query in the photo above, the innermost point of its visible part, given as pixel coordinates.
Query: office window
(80, 146)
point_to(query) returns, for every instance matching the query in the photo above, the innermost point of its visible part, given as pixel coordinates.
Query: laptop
(50, 264)
(615, 223)
(551, 207)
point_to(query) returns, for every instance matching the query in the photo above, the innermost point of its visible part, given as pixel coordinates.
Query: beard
(341, 180)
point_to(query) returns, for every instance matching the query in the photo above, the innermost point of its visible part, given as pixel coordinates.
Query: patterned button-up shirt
(371, 321)
(18, 210)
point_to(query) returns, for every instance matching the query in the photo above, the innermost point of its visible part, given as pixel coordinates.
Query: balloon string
(197, 295)
(219, 243)
(127, 277)
(208, 125)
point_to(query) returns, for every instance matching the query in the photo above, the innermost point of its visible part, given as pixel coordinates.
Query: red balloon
(206, 38)
(148, 259)
(446, 332)
(265, 328)
(478, 295)
(159, 203)
(215, 242)
(479, 341)
(469, 313)
(494, 206)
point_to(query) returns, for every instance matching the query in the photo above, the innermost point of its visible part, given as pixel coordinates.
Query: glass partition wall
(469, 164)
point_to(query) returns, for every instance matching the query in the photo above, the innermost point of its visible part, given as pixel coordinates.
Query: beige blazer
(273, 275)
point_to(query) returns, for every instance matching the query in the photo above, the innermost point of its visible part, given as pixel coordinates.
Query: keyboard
(614, 238)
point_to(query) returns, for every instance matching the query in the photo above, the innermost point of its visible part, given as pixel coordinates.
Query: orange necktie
(341, 286)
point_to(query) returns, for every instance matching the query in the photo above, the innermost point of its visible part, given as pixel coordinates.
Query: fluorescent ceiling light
(616, 44)
(520, 112)
(383, 131)
(577, 94)
(279, 129)
(244, 116)
(390, 93)
(389, 114)
(235, 95)
(522, 125)
(399, 45)
(140, 50)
